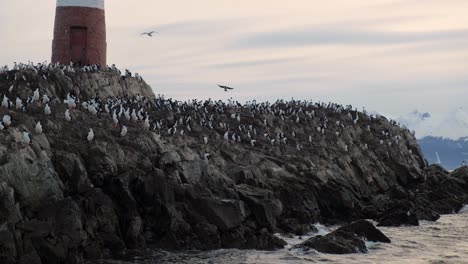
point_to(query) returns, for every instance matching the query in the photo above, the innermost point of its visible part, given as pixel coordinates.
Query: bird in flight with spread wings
(150, 34)
(226, 88)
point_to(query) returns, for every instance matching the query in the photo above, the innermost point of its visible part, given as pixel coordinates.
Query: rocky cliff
(194, 175)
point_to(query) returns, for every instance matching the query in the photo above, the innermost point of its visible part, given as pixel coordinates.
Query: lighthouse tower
(80, 32)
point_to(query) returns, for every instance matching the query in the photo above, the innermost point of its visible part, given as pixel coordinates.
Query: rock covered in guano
(191, 175)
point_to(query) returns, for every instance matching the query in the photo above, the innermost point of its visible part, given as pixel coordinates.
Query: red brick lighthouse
(80, 32)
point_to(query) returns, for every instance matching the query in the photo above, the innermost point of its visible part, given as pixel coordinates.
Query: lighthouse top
(82, 3)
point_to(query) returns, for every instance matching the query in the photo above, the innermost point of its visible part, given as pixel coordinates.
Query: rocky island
(93, 163)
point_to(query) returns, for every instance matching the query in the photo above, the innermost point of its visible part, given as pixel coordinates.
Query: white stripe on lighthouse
(84, 3)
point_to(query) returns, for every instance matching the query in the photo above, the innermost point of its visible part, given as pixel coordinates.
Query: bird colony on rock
(232, 121)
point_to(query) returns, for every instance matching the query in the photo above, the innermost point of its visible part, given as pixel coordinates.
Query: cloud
(320, 36)
(255, 63)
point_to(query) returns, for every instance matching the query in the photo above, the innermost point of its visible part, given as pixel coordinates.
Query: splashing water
(444, 241)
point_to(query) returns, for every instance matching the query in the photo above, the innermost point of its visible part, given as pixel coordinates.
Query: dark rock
(399, 218)
(31, 258)
(335, 243)
(294, 226)
(262, 203)
(8, 251)
(346, 240)
(365, 229)
(225, 214)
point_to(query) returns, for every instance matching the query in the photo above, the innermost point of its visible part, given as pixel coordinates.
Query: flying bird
(226, 88)
(150, 34)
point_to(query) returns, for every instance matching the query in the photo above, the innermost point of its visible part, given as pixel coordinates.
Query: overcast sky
(391, 56)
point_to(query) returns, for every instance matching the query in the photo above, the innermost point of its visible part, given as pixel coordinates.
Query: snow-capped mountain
(443, 139)
(453, 125)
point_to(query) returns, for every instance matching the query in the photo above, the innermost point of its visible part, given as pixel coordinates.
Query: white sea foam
(432, 242)
(294, 240)
(370, 244)
(464, 210)
(322, 230)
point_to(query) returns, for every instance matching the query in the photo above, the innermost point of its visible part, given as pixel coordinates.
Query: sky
(389, 56)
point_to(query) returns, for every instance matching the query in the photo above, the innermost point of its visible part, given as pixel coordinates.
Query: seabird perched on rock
(70, 101)
(6, 120)
(205, 140)
(5, 102)
(38, 128)
(19, 104)
(127, 114)
(147, 124)
(149, 34)
(252, 142)
(134, 115)
(25, 139)
(67, 115)
(47, 110)
(92, 109)
(123, 132)
(114, 118)
(226, 88)
(36, 95)
(128, 73)
(140, 115)
(90, 136)
(2, 127)
(45, 99)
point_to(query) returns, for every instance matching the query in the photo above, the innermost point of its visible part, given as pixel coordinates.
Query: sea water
(441, 242)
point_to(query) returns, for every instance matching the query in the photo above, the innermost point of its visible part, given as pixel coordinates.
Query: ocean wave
(464, 210)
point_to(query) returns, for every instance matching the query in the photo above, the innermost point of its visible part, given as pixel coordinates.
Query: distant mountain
(447, 152)
(445, 136)
(453, 125)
